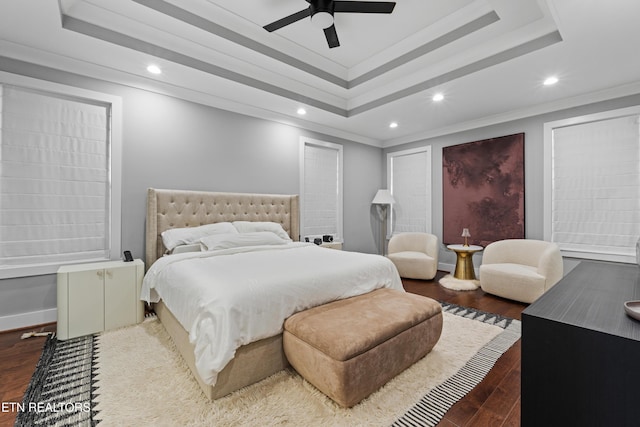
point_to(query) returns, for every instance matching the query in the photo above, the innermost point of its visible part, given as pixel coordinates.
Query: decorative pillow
(251, 227)
(237, 240)
(190, 235)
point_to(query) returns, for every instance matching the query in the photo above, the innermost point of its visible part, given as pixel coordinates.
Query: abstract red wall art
(483, 190)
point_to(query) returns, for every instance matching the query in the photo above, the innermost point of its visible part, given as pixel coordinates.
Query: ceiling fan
(321, 13)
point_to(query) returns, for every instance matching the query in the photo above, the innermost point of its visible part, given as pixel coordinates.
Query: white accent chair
(520, 269)
(415, 255)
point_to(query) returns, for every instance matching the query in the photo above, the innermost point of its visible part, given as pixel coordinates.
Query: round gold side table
(464, 261)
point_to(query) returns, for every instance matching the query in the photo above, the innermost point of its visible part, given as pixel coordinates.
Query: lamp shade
(383, 197)
(465, 232)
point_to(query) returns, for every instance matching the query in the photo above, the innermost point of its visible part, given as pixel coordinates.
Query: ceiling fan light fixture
(322, 20)
(321, 14)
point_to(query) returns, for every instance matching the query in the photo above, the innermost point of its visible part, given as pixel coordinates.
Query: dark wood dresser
(581, 352)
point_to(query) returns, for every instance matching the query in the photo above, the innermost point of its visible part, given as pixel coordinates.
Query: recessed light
(302, 111)
(438, 97)
(154, 69)
(393, 125)
(550, 81)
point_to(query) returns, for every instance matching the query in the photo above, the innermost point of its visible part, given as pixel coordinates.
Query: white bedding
(232, 297)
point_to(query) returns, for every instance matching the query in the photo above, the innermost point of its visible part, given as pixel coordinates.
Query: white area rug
(451, 282)
(142, 380)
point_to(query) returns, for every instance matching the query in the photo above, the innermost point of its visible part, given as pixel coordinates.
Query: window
(409, 180)
(59, 178)
(592, 185)
(321, 189)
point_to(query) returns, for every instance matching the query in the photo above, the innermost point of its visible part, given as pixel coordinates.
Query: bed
(252, 359)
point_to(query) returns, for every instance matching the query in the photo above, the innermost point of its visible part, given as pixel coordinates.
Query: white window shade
(409, 177)
(596, 188)
(321, 204)
(54, 179)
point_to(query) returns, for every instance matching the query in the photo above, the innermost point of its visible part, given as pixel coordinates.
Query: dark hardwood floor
(18, 359)
(494, 402)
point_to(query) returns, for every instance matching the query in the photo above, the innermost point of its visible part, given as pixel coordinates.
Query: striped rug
(435, 404)
(61, 389)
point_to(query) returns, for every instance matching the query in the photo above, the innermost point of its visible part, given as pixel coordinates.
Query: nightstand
(332, 245)
(99, 296)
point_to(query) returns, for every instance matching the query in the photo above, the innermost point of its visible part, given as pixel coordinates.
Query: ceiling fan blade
(332, 36)
(364, 6)
(276, 25)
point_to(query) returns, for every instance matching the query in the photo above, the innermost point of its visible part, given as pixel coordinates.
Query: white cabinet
(99, 296)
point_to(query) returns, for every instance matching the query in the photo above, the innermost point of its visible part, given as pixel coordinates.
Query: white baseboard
(24, 320)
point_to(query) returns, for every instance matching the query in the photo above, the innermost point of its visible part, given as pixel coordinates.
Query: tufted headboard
(168, 209)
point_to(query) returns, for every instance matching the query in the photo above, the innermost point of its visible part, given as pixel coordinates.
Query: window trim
(115, 170)
(304, 141)
(547, 204)
(429, 197)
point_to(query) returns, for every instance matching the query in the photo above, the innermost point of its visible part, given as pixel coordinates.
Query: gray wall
(176, 144)
(533, 128)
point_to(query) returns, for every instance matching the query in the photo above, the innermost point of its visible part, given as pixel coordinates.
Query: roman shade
(55, 178)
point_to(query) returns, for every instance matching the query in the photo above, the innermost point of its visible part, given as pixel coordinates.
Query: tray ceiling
(488, 58)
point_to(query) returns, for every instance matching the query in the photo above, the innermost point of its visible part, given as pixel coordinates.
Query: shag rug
(451, 282)
(138, 378)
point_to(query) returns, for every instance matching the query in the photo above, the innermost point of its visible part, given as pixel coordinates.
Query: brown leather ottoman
(350, 348)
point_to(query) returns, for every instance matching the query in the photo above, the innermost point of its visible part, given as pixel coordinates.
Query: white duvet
(232, 297)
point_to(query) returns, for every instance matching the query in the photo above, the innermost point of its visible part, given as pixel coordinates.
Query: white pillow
(190, 235)
(251, 227)
(180, 249)
(237, 240)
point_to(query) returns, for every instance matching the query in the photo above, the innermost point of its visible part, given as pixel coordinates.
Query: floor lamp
(383, 200)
